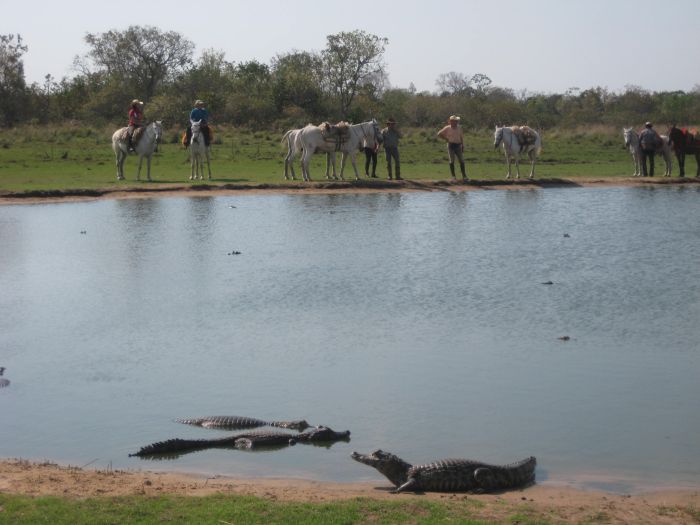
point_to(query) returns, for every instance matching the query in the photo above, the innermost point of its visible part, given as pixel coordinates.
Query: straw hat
(453, 118)
(198, 102)
(647, 125)
(136, 101)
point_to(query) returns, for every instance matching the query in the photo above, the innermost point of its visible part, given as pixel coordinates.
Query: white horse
(312, 140)
(147, 144)
(199, 152)
(513, 149)
(294, 148)
(632, 144)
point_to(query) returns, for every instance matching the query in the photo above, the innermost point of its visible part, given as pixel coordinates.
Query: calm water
(417, 321)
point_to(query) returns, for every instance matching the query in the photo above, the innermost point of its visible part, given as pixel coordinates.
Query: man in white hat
(199, 113)
(453, 135)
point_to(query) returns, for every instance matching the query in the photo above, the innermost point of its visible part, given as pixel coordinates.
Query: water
(417, 321)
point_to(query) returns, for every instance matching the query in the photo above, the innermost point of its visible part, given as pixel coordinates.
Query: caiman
(450, 475)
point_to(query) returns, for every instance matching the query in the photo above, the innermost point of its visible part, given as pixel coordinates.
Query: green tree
(139, 58)
(297, 82)
(350, 61)
(13, 88)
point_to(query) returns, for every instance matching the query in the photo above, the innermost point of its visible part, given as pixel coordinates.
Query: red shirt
(135, 116)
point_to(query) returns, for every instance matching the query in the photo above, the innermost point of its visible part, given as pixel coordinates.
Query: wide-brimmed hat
(198, 102)
(136, 101)
(454, 118)
(390, 120)
(648, 125)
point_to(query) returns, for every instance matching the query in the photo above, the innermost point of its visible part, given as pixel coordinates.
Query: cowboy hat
(453, 117)
(647, 125)
(198, 102)
(136, 101)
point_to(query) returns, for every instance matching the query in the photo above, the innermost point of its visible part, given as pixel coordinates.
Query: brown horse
(683, 141)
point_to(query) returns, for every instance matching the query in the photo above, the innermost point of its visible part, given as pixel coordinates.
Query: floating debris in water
(564, 338)
(83, 232)
(567, 235)
(548, 282)
(234, 252)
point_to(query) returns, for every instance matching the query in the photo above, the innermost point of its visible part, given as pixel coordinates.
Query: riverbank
(541, 503)
(146, 190)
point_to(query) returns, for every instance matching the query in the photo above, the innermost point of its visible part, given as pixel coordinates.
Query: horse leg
(533, 157)
(508, 160)
(681, 163)
(353, 159)
(343, 160)
(120, 164)
(138, 171)
(148, 167)
(305, 160)
(517, 167)
(328, 167)
(697, 161)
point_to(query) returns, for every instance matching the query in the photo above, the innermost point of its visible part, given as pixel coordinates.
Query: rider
(199, 113)
(135, 119)
(649, 139)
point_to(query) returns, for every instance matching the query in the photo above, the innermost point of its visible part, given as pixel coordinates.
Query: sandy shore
(361, 186)
(559, 504)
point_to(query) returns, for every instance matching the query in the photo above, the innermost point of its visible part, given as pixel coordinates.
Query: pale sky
(543, 46)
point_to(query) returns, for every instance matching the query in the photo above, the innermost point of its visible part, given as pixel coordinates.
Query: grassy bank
(235, 509)
(70, 157)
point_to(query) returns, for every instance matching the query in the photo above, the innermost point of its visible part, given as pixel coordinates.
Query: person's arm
(441, 134)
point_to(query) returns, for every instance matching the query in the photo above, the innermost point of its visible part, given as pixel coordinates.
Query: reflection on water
(417, 321)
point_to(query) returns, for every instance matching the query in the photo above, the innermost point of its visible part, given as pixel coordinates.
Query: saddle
(138, 133)
(335, 132)
(526, 135)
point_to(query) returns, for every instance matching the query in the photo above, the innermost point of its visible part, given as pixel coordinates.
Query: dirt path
(558, 504)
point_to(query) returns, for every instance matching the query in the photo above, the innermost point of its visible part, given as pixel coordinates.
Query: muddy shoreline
(361, 186)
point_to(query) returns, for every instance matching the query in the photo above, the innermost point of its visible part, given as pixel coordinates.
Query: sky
(540, 46)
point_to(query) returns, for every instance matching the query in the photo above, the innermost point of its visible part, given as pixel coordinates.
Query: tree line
(346, 80)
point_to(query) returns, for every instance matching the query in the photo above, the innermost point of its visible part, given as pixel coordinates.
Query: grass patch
(71, 157)
(220, 509)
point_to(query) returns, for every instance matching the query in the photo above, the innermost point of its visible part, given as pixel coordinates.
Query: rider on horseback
(135, 120)
(199, 113)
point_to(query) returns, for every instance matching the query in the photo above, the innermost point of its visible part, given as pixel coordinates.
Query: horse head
(377, 133)
(497, 137)
(631, 138)
(158, 132)
(196, 127)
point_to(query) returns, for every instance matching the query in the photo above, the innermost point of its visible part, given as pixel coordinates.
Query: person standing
(199, 113)
(649, 139)
(135, 120)
(453, 135)
(370, 157)
(391, 136)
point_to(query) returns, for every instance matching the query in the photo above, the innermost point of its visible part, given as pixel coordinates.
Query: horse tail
(285, 137)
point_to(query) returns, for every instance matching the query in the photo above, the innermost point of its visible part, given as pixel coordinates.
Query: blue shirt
(199, 114)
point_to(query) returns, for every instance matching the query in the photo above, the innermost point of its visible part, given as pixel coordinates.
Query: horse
(199, 152)
(311, 139)
(632, 144)
(146, 146)
(513, 149)
(291, 137)
(684, 142)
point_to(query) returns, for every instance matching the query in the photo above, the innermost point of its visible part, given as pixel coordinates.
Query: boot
(464, 171)
(452, 170)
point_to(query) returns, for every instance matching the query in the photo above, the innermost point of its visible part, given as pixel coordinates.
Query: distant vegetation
(345, 80)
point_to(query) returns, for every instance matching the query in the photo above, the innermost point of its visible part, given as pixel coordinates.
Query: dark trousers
(648, 154)
(370, 157)
(392, 152)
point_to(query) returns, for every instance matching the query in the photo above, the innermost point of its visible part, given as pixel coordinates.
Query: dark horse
(683, 141)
